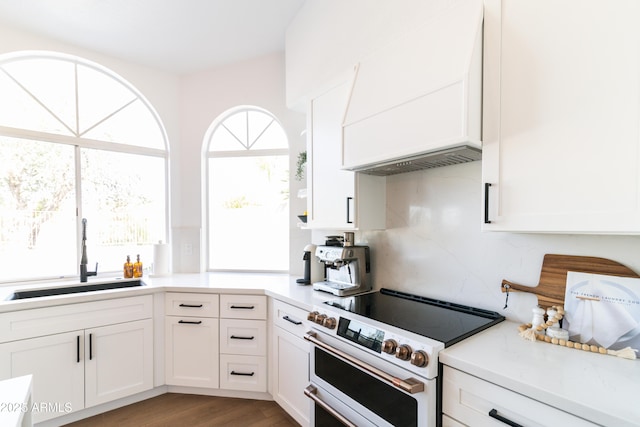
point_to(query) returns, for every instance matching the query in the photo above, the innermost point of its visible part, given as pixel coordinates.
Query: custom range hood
(415, 103)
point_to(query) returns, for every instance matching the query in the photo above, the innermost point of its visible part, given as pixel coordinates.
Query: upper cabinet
(338, 199)
(561, 116)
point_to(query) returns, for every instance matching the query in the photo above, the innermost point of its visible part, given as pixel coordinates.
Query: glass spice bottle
(128, 268)
(137, 268)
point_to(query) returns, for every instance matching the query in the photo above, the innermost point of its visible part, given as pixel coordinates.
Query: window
(247, 181)
(76, 141)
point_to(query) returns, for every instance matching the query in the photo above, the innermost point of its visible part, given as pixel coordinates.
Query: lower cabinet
(118, 361)
(191, 340)
(77, 369)
(243, 342)
(57, 365)
(471, 401)
(191, 357)
(290, 361)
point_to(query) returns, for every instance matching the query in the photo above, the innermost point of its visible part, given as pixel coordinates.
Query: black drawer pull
(494, 414)
(243, 307)
(244, 374)
(90, 346)
(288, 319)
(78, 349)
(191, 305)
(190, 322)
(235, 337)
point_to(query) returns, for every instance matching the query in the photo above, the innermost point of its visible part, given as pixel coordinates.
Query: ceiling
(179, 36)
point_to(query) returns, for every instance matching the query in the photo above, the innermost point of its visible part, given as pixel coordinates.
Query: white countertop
(603, 389)
(280, 286)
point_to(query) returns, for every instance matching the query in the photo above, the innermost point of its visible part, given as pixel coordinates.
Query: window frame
(208, 154)
(79, 142)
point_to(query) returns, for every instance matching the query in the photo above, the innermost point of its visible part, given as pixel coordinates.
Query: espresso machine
(347, 269)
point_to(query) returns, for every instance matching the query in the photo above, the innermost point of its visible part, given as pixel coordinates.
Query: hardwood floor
(192, 410)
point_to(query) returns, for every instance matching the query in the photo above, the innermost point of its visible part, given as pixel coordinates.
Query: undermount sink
(46, 292)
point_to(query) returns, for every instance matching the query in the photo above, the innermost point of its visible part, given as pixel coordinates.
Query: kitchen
(432, 245)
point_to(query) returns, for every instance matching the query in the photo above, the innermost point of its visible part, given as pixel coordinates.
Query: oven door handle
(410, 385)
(311, 393)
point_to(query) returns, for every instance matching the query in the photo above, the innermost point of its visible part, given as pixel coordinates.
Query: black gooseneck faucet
(83, 260)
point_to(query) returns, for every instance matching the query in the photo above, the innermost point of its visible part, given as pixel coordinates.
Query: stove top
(439, 320)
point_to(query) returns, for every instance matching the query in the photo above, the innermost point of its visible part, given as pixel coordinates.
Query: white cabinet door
(561, 129)
(338, 199)
(191, 356)
(57, 365)
(118, 361)
(291, 360)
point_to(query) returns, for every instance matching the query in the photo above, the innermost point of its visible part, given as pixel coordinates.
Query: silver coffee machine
(347, 269)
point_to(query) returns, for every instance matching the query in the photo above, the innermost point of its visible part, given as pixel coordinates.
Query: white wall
(433, 245)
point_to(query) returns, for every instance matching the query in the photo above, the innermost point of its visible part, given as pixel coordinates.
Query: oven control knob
(403, 352)
(329, 322)
(419, 358)
(320, 318)
(389, 346)
(312, 316)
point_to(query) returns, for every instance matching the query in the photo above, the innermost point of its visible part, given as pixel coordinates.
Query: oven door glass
(389, 403)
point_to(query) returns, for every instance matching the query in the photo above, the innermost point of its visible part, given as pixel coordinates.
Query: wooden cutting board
(553, 276)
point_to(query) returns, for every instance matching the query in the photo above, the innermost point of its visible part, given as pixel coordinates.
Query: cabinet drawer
(469, 400)
(243, 306)
(63, 318)
(240, 336)
(290, 318)
(187, 304)
(248, 373)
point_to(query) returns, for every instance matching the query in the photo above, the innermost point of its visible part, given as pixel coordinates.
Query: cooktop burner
(439, 320)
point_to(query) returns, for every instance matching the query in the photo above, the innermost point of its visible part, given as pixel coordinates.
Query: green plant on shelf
(300, 165)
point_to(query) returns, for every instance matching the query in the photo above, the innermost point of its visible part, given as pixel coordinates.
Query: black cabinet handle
(235, 337)
(90, 346)
(486, 202)
(349, 199)
(191, 305)
(244, 374)
(288, 319)
(494, 414)
(78, 349)
(243, 307)
(190, 322)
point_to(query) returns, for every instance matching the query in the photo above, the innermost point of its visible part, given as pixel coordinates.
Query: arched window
(76, 140)
(247, 181)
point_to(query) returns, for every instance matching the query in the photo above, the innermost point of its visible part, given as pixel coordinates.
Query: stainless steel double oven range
(374, 359)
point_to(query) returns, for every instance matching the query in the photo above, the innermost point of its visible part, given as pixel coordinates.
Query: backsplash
(433, 245)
